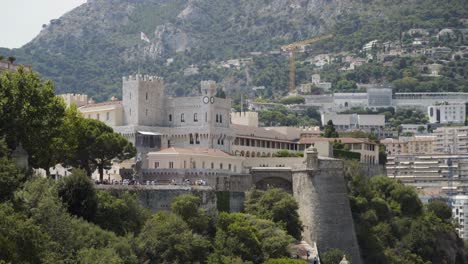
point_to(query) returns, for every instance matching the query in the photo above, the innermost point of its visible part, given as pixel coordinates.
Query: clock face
(206, 99)
(212, 99)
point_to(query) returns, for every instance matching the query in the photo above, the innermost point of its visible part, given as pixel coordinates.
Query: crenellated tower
(143, 100)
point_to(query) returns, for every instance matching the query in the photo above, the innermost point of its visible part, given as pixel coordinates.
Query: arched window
(212, 165)
(170, 118)
(220, 118)
(191, 138)
(217, 118)
(195, 117)
(182, 118)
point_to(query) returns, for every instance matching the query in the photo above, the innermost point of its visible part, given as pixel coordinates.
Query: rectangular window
(171, 165)
(170, 118)
(107, 116)
(182, 118)
(156, 164)
(185, 164)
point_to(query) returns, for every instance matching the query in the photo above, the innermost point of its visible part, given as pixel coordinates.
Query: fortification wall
(294, 163)
(160, 198)
(324, 208)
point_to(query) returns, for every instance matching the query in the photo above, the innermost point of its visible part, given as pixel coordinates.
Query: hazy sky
(21, 20)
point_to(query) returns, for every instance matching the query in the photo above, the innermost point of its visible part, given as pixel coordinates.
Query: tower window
(170, 118)
(182, 118)
(195, 117)
(206, 117)
(216, 118)
(191, 138)
(146, 112)
(146, 95)
(220, 118)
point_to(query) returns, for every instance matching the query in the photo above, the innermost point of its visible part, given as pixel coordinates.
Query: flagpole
(138, 57)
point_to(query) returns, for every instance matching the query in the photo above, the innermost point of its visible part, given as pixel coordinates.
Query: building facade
(349, 122)
(451, 139)
(409, 145)
(447, 113)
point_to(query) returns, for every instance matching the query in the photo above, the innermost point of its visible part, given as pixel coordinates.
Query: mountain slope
(91, 47)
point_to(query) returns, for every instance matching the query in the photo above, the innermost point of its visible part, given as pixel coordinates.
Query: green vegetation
(292, 100)
(31, 116)
(277, 206)
(248, 237)
(78, 195)
(286, 153)
(393, 226)
(281, 116)
(330, 131)
(333, 256)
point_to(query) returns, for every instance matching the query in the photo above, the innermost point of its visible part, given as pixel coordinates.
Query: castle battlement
(141, 77)
(208, 84)
(244, 114)
(77, 99)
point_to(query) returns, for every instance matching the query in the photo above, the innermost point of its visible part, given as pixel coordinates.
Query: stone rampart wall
(324, 208)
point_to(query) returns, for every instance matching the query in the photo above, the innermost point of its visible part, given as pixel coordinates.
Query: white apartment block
(459, 207)
(429, 170)
(447, 113)
(349, 122)
(451, 140)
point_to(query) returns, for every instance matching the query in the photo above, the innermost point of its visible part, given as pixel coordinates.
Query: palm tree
(11, 59)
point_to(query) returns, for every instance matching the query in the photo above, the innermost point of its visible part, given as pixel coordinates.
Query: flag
(144, 37)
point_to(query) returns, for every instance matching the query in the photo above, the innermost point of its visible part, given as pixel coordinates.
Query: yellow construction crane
(291, 48)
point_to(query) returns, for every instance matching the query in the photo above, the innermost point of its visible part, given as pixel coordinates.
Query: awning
(149, 133)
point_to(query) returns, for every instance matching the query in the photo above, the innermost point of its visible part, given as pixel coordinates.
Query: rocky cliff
(89, 48)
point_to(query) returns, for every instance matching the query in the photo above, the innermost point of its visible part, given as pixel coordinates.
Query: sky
(22, 20)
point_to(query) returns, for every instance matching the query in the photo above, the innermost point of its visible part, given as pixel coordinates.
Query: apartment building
(446, 113)
(451, 140)
(409, 145)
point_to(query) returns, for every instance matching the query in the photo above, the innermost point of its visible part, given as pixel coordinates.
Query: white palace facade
(154, 121)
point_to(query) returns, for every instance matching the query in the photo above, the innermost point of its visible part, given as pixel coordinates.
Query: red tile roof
(311, 140)
(194, 151)
(102, 104)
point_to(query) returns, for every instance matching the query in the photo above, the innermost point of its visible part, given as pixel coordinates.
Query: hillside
(89, 49)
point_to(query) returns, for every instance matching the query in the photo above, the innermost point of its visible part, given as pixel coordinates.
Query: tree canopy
(275, 205)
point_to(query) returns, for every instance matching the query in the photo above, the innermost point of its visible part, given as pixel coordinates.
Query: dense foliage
(394, 227)
(281, 116)
(32, 117)
(277, 206)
